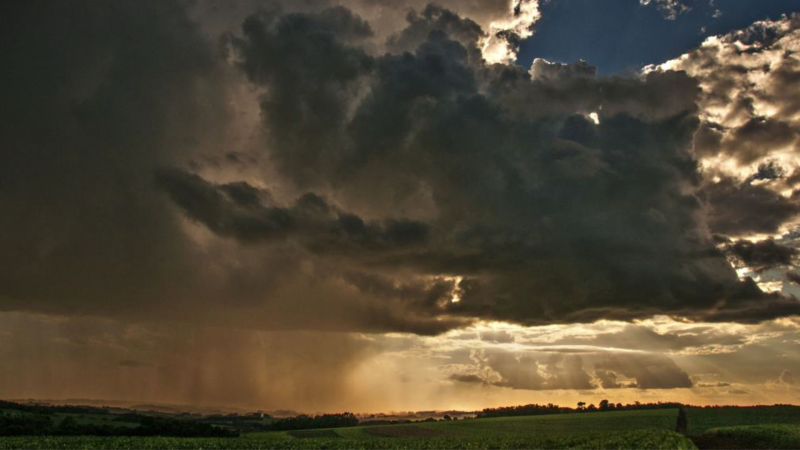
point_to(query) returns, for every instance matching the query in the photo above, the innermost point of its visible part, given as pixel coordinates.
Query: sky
(375, 205)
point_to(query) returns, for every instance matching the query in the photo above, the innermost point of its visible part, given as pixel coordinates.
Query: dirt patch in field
(306, 434)
(403, 431)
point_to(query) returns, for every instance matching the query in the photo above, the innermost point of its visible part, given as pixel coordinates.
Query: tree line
(35, 424)
(537, 410)
(305, 422)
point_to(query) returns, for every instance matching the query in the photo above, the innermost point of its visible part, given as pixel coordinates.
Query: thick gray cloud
(743, 208)
(764, 255)
(100, 95)
(649, 371)
(244, 212)
(445, 190)
(521, 197)
(607, 379)
(119, 94)
(750, 135)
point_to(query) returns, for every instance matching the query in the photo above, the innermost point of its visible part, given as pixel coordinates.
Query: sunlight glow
(523, 14)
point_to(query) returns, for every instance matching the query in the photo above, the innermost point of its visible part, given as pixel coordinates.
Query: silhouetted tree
(682, 425)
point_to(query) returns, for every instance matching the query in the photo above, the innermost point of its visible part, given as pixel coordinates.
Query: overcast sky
(375, 205)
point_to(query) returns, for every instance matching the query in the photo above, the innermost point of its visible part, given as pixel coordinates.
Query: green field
(622, 429)
(651, 439)
(703, 419)
(751, 437)
(709, 428)
(552, 425)
(94, 419)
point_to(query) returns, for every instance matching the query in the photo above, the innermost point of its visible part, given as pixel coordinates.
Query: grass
(751, 437)
(610, 430)
(651, 439)
(313, 434)
(709, 428)
(702, 419)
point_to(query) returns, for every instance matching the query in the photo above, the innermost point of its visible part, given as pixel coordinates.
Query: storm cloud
(408, 186)
(748, 141)
(761, 256)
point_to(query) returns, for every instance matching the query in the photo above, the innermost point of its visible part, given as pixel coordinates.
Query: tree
(603, 405)
(581, 405)
(682, 424)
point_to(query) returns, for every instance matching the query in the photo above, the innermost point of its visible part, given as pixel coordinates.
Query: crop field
(703, 419)
(526, 426)
(94, 419)
(651, 439)
(751, 437)
(709, 428)
(623, 429)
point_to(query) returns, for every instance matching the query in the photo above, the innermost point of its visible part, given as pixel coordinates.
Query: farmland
(655, 439)
(622, 429)
(708, 428)
(751, 437)
(703, 419)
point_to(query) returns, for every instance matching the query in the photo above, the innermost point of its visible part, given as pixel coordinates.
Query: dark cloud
(770, 170)
(794, 277)
(748, 103)
(747, 142)
(115, 91)
(119, 93)
(649, 371)
(740, 209)
(607, 379)
(434, 177)
(519, 199)
(434, 18)
(763, 255)
(499, 336)
(236, 210)
(467, 378)
(311, 72)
